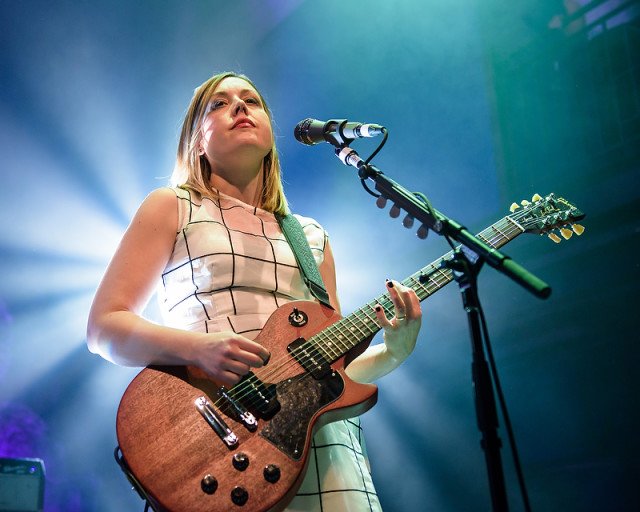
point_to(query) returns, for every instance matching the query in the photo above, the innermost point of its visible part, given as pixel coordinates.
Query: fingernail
(378, 308)
(389, 283)
(265, 361)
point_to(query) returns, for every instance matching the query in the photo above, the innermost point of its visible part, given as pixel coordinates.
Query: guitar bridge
(216, 422)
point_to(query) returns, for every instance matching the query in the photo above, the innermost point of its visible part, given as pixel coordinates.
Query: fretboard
(337, 339)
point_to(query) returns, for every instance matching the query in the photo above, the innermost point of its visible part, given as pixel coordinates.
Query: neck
(243, 184)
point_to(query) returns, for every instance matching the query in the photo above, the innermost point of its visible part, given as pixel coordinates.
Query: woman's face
(236, 125)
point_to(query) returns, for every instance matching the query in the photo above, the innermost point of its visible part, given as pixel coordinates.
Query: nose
(239, 105)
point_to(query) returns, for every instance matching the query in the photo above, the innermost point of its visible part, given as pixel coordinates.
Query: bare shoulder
(160, 199)
(159, 208)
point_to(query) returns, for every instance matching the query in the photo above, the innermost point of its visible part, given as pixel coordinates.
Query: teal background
(485, 103)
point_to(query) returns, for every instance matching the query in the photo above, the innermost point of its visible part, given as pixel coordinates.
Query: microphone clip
(334, 133)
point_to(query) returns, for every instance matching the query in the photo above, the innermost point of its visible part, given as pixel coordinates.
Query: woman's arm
(115, 328)
(400, 332)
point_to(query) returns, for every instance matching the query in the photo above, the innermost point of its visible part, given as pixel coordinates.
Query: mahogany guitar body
(183, 464)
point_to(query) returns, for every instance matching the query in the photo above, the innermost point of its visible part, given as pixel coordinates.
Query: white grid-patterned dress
(231, 267)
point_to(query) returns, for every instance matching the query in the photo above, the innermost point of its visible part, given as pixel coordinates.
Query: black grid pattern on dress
(324, 499)
(232, 253)
(238, 254)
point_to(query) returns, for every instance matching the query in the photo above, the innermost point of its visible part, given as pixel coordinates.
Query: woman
(215, 249)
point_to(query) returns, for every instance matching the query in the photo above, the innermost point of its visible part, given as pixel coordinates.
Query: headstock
(545, 215)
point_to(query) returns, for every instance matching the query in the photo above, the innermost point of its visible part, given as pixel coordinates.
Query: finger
(413, 305)
(383, 321)
(237, 367)
(226, 378)
(252, 353)
(410, 301)
(249, 359)
(396, 298)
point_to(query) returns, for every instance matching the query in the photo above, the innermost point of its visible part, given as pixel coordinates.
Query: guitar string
(387, 305)
(502, 238)
(412, 282)
(296, 357)
(363, 311)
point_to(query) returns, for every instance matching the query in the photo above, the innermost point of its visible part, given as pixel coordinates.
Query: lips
(243, 122)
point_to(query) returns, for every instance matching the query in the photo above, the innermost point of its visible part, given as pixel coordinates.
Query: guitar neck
(337, 339)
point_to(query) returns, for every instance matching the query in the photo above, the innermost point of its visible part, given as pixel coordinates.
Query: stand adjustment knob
(423, 231)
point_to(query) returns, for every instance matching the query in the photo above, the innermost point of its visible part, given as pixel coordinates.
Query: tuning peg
(407, 222)
(555, 238)
(536, 197)
(577, 229)
(381, 202)
(394, 212)
(514, 207)
(566, 233)
(423, 231)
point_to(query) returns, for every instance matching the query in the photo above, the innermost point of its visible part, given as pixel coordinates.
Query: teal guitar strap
(300, 246)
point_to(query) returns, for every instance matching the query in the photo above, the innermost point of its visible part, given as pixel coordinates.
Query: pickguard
(300, 398)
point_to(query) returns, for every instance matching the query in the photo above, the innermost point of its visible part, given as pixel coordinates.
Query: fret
(495, 227)
(519, 228)
(415, 284)
(328, 343)
(322, 348)
(354, 325)
(431, 282)
(485, 240)
(337, 339)
(509, 229)
(373, 319)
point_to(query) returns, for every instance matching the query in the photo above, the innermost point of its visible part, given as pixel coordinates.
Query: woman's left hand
(401, 331)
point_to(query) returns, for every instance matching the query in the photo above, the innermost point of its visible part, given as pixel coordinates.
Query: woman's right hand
(117, 331)
(227, 356)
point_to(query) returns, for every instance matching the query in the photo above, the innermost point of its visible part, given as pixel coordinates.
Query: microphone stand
(465, 265)
(442, 225)
(465, 273)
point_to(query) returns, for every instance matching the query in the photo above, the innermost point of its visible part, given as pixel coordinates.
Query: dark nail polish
(389, 283)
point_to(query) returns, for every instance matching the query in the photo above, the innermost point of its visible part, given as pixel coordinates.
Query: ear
(200, 146)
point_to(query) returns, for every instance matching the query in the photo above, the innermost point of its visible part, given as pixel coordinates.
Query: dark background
(486, 103)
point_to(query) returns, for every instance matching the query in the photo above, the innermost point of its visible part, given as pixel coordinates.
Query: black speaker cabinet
(21, 485)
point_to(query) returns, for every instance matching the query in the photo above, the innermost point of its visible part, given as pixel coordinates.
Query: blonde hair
(192, 170)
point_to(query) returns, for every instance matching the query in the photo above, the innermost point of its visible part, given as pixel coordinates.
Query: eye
(252, 100)
(215, 104)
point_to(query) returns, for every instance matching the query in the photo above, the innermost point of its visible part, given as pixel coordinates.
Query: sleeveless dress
(231, 267)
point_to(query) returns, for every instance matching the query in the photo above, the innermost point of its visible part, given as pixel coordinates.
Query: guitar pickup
(216, 422)
(310, 357)
(247, 419)
(257, 396)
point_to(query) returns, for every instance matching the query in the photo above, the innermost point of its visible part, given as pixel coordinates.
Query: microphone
(334, 131)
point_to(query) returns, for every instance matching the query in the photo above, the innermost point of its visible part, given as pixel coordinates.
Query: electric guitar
(191, 446)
